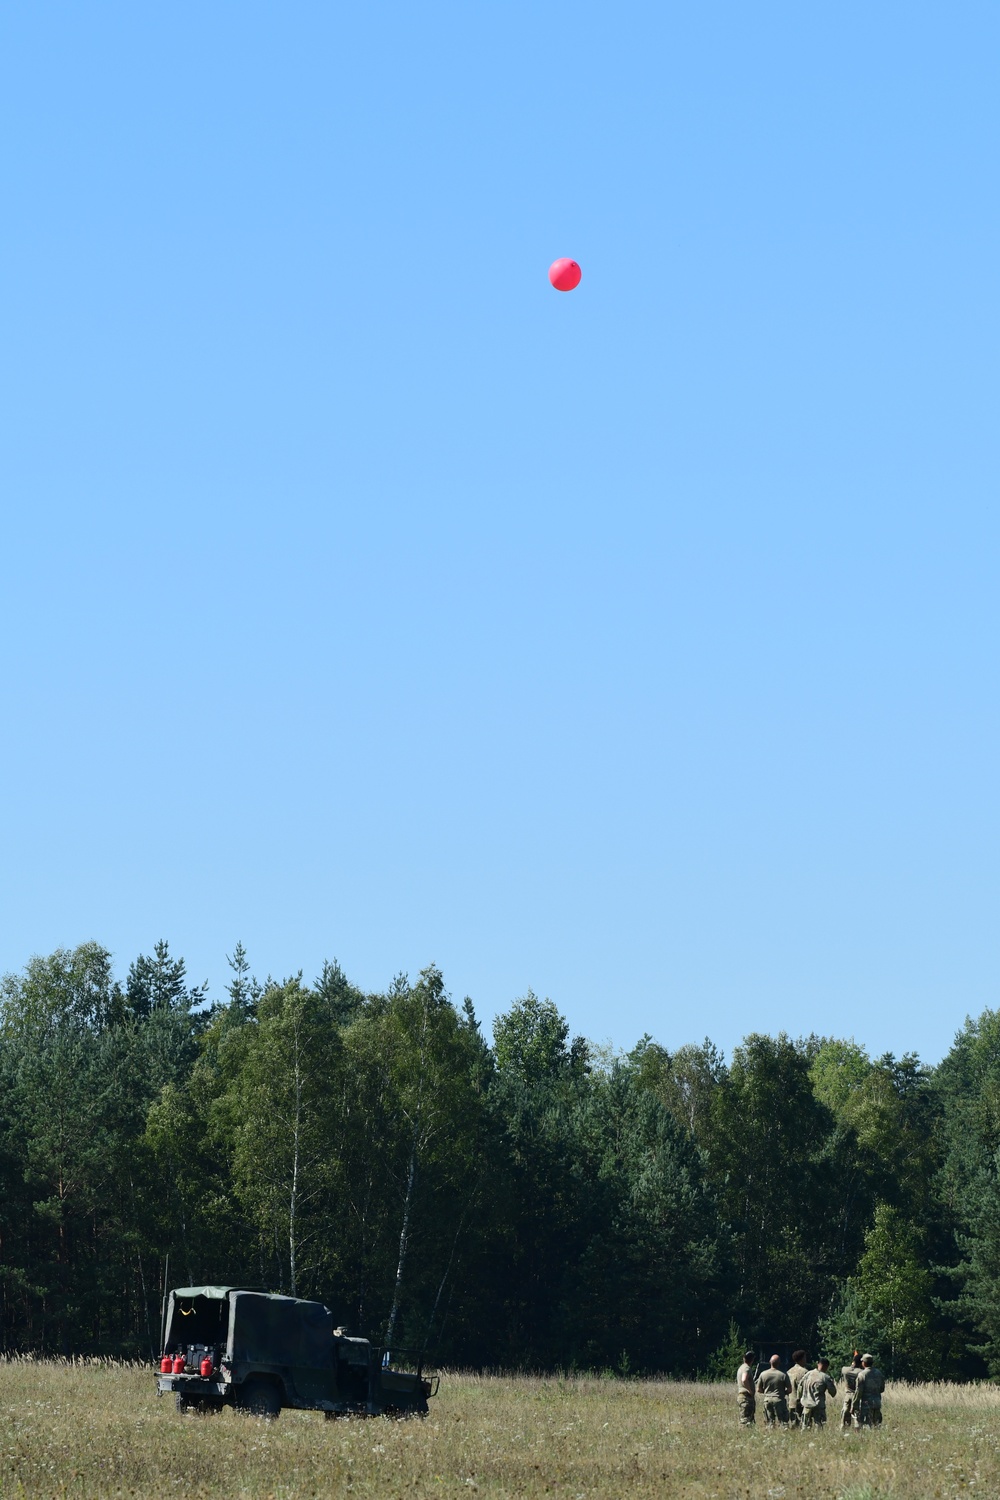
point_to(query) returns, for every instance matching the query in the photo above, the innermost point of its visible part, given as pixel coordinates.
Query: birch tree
(419, 1055)
(279, 1113)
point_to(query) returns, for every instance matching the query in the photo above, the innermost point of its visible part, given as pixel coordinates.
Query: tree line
(524, 1201)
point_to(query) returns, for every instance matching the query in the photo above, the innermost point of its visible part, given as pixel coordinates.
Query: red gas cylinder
(178, 1364)
(206, 1366)
(166, 1365)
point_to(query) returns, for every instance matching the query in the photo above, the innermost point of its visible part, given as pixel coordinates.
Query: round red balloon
(564, 274)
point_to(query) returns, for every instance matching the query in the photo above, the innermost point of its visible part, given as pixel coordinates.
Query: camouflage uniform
(774, 1386)
(849, 1374)
(815, 1386)
(795, 1375)
(868, 1397)
(745, 1399)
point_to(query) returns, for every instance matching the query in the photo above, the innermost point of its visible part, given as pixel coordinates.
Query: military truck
(257, 1352)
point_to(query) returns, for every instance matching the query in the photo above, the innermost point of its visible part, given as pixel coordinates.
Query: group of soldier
(797, 1397)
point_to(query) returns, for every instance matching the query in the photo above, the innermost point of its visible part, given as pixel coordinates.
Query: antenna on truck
(163, 1309)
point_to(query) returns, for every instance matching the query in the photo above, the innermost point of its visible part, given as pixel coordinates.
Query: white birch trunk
(404, 1236)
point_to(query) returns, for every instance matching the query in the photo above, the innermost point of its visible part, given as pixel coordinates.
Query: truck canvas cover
(216, 1293)
(266, 1329)
(197, 1315)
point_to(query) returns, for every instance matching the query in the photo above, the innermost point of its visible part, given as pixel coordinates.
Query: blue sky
(364, 597)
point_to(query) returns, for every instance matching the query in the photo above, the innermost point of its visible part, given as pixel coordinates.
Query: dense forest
(524, 1201)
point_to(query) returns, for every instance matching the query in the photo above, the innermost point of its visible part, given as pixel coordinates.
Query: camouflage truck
(257, 1352)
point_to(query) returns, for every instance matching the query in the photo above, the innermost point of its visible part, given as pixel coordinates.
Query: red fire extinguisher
(206, 1366)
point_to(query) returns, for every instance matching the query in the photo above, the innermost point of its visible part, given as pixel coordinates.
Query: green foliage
(887, 1308)
(896, 1283)
(158, 983)
(688, 1082)
(839, 1072)
(725, 1360)
(766, 1149)
(277, 1113)
(967, 1085)
(81, 1070)
(651, 1264)
(412, 1061)
(532, 1203)
(530, 1042)
(341, 998)
(851, 1324)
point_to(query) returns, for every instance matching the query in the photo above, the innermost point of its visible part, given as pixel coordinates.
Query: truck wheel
(259, 1398)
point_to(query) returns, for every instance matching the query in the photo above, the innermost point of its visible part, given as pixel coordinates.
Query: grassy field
(88, 1430)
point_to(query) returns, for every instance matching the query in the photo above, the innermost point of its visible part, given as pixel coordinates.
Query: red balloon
(564, 274)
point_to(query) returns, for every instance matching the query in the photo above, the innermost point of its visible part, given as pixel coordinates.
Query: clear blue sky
(363, 596)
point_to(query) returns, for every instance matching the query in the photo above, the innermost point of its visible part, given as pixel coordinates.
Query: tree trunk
(404, 1236)
(296, 1125)
(444, 1278)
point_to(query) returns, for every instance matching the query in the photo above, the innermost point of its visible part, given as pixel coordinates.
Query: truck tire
(259, 1398)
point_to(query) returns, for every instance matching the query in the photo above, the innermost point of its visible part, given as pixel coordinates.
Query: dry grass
(92, 1430)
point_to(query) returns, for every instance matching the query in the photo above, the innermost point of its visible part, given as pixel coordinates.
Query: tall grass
(96, 1428)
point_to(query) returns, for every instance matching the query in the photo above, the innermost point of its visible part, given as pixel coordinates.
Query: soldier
(795, 1374)
(850, 1375)
(814, 1387)
(745, 1399)
(774, 1385)
(868, 1393)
